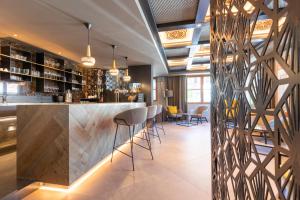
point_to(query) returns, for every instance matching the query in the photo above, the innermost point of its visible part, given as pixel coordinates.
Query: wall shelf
(43, 64)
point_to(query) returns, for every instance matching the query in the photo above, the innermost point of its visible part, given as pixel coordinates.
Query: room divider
(255, 110)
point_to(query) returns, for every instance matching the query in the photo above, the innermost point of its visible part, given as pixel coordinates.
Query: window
(198, 89)
(1, 88)
(206, 89)
(154, 90)
(194, 89)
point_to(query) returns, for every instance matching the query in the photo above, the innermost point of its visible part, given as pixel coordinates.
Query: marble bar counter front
(59, 143)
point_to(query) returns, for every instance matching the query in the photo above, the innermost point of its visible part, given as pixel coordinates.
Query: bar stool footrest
(141, 146)
(123, 153)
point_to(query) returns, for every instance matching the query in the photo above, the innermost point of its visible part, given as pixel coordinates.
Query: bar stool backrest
(132, 116)
(159, 109)
(151, 111)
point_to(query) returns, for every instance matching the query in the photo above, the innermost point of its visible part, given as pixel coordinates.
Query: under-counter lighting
(76, 184)
(83, 178)
(6, 119)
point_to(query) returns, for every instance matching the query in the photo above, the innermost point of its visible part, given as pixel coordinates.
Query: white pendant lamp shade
(88, 60)
(126, 77)
(114, 71)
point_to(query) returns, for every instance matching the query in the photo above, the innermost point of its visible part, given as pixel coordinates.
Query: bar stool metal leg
(154, 124)
(161, 124)
(131, 145)
(113, 149)
(149, 143)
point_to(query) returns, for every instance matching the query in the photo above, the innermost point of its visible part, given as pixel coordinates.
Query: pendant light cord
(88, 26)
(126, 59)
(88, 35)
(113, 47)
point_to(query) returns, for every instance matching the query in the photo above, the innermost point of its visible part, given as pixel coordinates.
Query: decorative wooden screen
(255, 110)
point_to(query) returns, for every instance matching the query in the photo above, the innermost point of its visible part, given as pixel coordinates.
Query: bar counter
(58, 143)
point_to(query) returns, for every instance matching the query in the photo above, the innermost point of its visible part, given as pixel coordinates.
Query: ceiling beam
(200, 42)
(176, 25)
(202, 10)
(187, 73)
(144, 5)
(180, 47)
(200, 16)
(177, 57)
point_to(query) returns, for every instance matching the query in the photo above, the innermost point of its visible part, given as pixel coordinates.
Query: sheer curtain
(178, 85)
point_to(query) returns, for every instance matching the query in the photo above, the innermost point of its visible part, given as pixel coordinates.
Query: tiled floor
(180, 170)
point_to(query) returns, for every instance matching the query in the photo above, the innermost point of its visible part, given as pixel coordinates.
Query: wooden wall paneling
(58, 143)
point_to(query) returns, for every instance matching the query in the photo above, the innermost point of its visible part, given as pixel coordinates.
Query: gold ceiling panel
(203, 50)
(177, 62)
(176, 34)
(176, 38)
(199, 67)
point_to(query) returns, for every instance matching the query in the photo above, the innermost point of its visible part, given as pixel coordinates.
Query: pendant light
(126, 77)
(88, 60)
(114, 71)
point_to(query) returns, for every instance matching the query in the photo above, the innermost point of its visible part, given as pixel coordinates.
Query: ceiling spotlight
(15, 35)
(88, 60)
(199, 25)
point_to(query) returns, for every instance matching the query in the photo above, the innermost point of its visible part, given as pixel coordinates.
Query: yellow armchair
(230, 113)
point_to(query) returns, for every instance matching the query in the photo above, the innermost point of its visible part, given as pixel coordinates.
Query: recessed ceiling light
(15, 35)
(199, 25)
(59, 53)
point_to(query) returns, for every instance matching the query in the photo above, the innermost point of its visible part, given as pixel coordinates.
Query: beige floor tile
(180, 170)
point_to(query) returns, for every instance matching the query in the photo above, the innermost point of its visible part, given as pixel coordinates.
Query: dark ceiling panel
(177, 52)
(176, 25)
(201, 60)
(176, 68)
(166, 11)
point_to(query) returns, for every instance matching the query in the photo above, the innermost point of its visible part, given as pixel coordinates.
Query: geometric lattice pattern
(255, 65)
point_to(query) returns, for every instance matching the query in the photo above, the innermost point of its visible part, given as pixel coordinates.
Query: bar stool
(151, 121)
(159, 113)
(129, 118)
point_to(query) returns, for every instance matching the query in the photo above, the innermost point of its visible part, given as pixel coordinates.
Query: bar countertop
(58, 143)
(55, 103)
